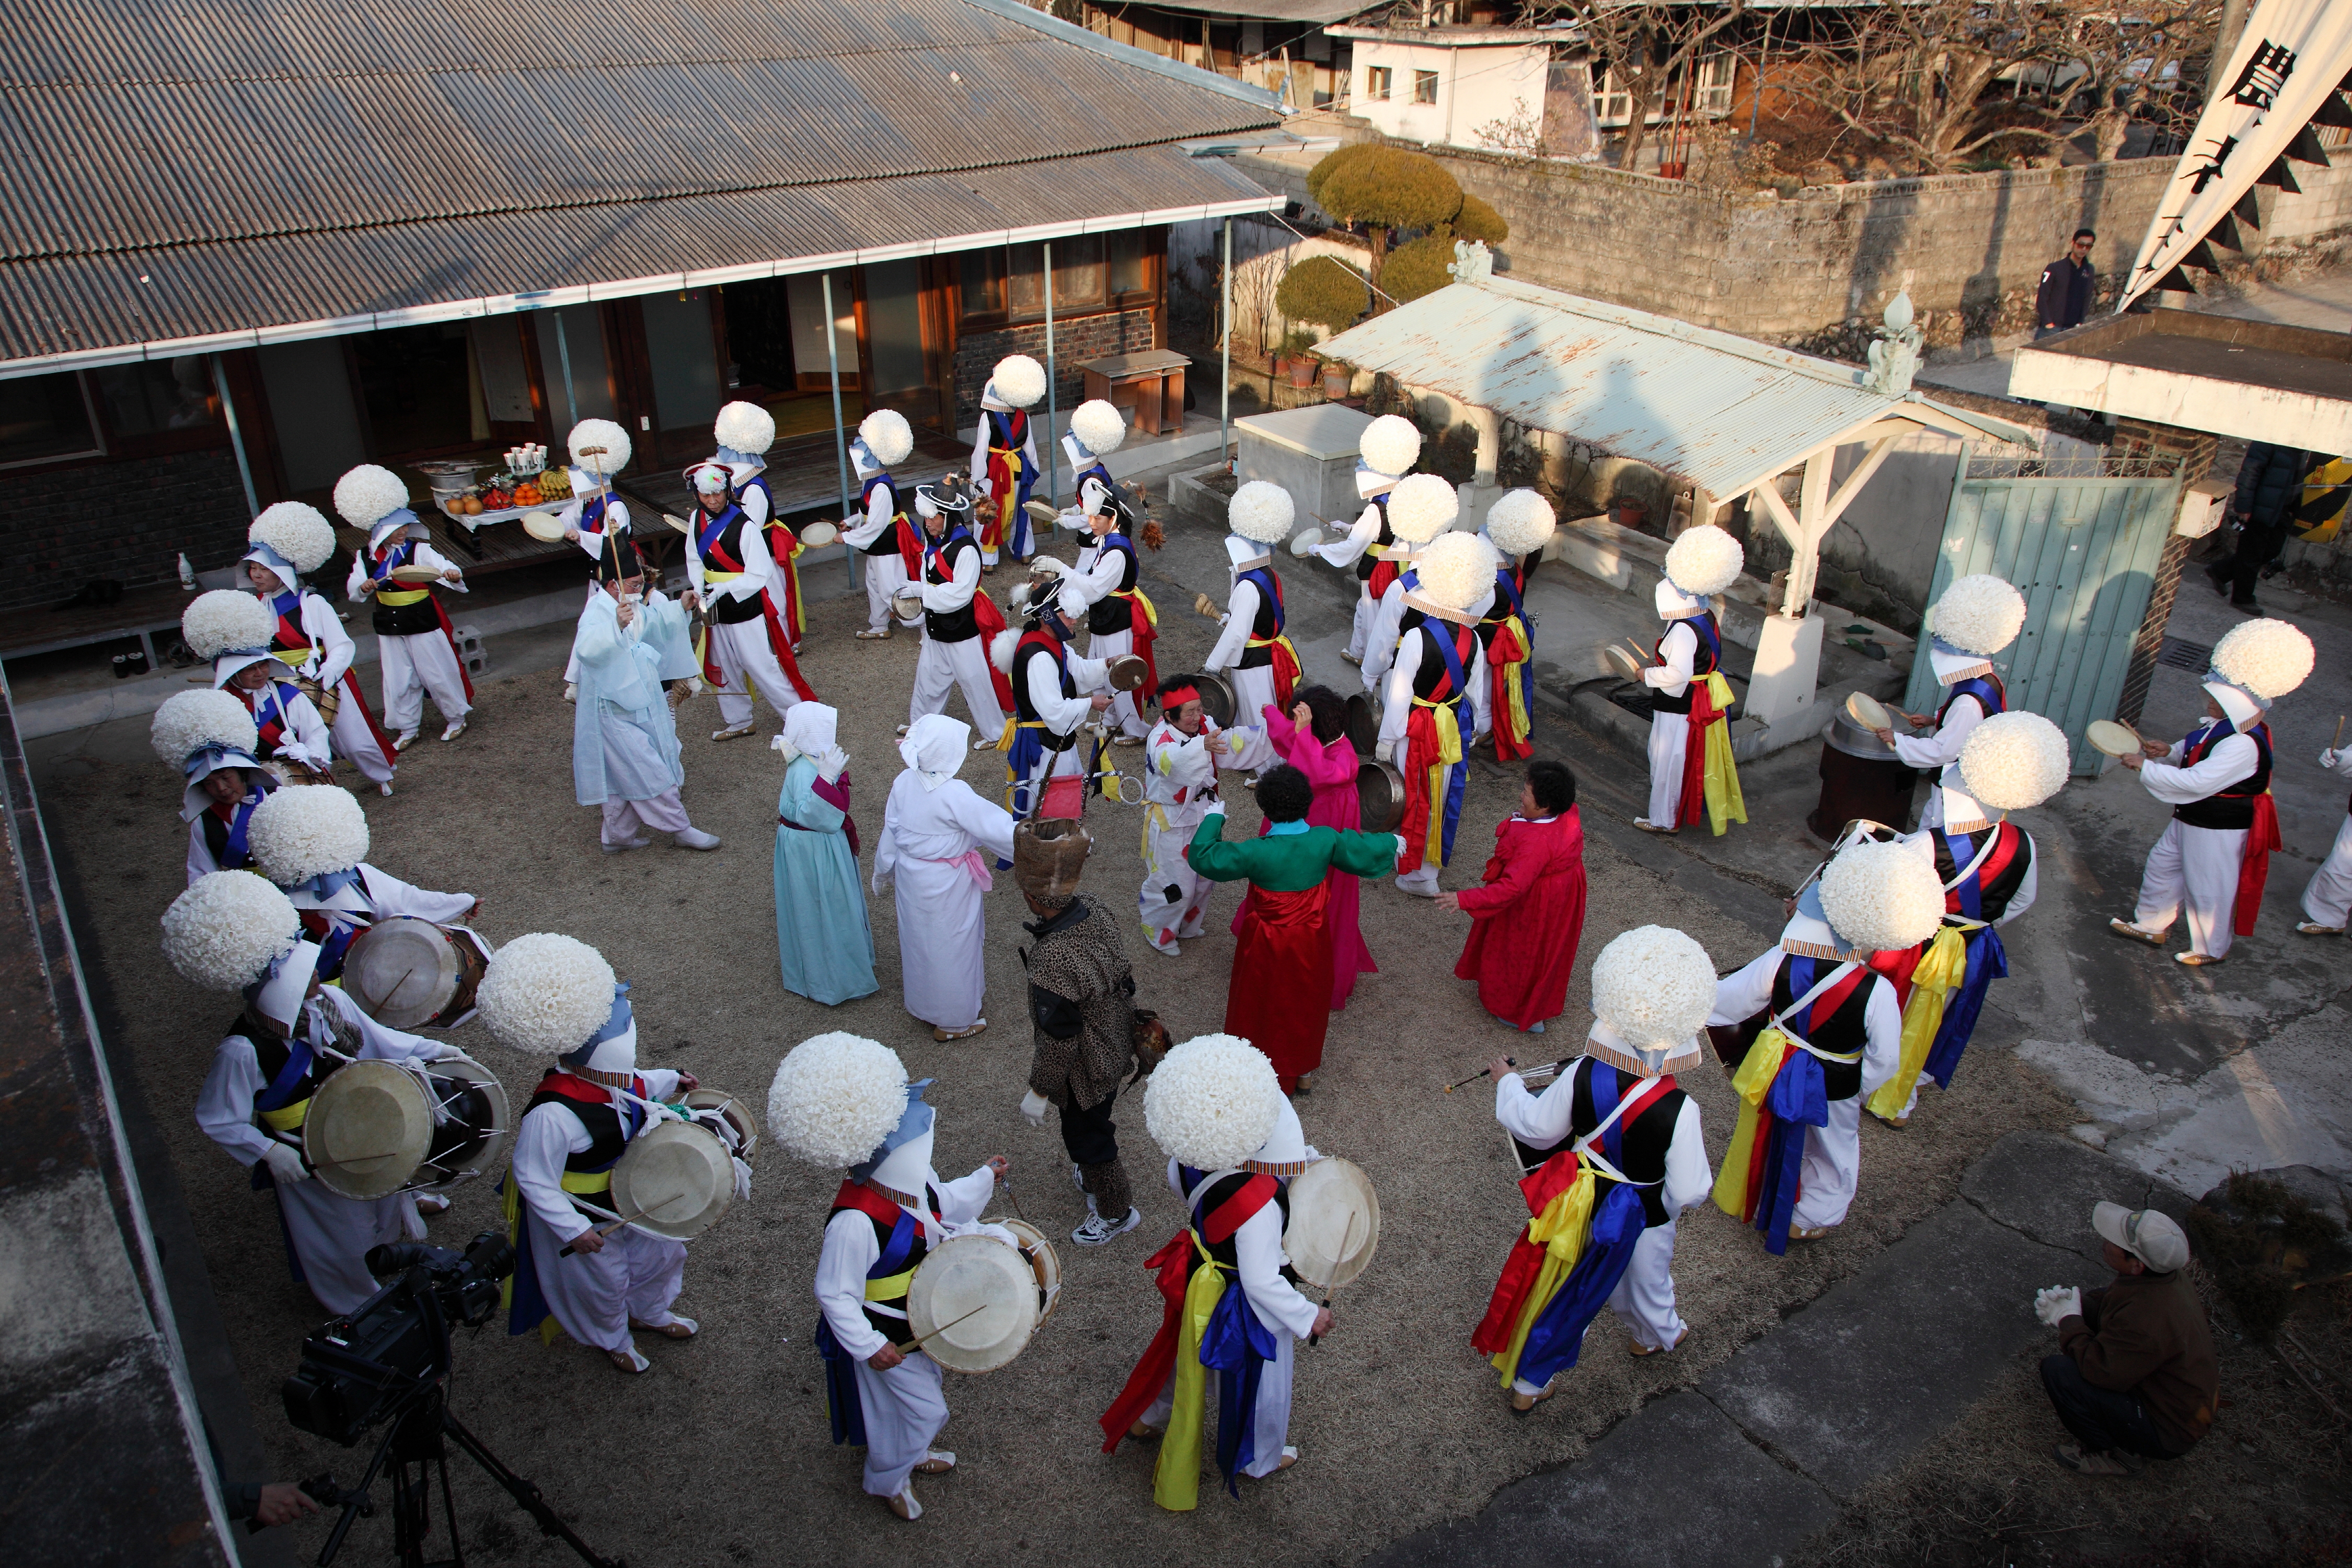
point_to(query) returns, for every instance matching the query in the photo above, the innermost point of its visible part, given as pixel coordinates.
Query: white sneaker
(1096, 1230)
(456, 728)
(736, 733)
(694, 838)
(1167, 946)
(400, 742)
(384, 788)
(987, 745)
(904, 1504)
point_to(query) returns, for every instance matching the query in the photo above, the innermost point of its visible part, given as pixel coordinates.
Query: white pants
(332, 1234)
(1124, 709)
(414, 667)
(904, 1408)
(1645, 1299)
(1832, 1167)
(945, 666)
(2202, 863)
(885, 575)
(1360, 628)
(1268, 1432)
(1253, 695)
(353, 738)
(663, 813)
(746, 661)
(1421, 879)
(2327, 898)
(594, 1294)
(1669, 739)
(1165, 868)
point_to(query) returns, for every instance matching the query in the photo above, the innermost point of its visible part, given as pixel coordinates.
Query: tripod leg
(358, 1496)
(526, 1494)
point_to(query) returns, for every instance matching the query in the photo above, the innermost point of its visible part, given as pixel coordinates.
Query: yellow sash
(587, 1181)
(286, 1118)
(1151, 611)
(401, 598)
(1449, 751)
(1751, 1083)
(1561, 1230)
(1720, 781)
(1941, 969)
(1176, 1483)
(892, 1289)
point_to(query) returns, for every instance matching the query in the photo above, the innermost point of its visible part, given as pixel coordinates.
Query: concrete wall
(1475, 87)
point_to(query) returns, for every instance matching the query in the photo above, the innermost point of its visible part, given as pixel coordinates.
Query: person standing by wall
(2064, 297)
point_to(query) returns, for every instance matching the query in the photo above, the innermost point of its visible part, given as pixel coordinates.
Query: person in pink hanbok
(1312, 737)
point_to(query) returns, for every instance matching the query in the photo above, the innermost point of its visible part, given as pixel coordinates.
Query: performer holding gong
(1252, 651)
(415, 647)
(1005, 458)
(1518, 525)
(288, 542)
(1054, 694)
(1692, 776)
(313, 843)
(1120, 618)
(840, 1100)
(881, 530)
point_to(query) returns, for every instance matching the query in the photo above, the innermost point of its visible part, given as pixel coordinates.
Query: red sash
(1175, 1263)
(1503, 656)
(780, 645)
(2254, 870)
(991, 621)
(1690, 809)
(782, 558)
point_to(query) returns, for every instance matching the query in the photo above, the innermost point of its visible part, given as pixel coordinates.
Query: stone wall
(128, 520)
(1075, 340)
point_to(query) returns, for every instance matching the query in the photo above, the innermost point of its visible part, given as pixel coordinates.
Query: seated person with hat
(2135, 1377)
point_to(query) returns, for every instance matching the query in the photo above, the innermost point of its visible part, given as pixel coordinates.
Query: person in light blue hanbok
(624, 754)
(823, 938)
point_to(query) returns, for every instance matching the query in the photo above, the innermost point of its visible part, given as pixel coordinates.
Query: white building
(1446, 86)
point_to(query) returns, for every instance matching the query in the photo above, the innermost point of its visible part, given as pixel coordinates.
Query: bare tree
(1651, 47)
(2139, 65)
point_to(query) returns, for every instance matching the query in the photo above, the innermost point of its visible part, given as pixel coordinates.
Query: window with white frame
(1711, 93)
(1711, 85)
(1376, 83)
(1425, 87)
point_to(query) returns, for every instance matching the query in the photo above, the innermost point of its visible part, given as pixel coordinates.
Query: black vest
(271, 1051)
(1024, 706)
(1647, 1137)
(1111, 613)
(1703, 663)
(1432, 669)
(2232, 806)
(939, 567)
(1845, 1031)
(882, 1323)
(1224, 1188)
(1263, 627)
(887, 542)
(1367, 563)
(1993, 893)
(725, 610)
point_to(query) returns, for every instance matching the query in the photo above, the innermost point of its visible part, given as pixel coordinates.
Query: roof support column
(840, 433)
(1789, 648)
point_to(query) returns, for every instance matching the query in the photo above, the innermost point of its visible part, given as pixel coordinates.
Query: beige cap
(2150, 1236)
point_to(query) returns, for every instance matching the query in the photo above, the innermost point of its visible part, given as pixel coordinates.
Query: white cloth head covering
(1673, 604)
(278, 996)
(2242, 706)
(1242, 554)
(227, 665)
(1952, 664)
(288, 577)
(809, 728)
(935, 747)
(1285, 1152)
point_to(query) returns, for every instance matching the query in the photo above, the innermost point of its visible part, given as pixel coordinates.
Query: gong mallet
(625, 1219)
(916, 1344)
(1346, 1236)
(1475, 1077)
(2339, 733)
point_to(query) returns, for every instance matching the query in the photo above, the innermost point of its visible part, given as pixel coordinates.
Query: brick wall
(128, 520)
(1074, 342)
(2192, 452)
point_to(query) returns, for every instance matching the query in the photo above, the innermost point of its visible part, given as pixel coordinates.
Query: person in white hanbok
(624, 751)
(1180, 760)
(2327, 897)
(1107, 577)
(938, 836)
(294, 1033)
(2212, 778)
(953, 654)
(880, 530)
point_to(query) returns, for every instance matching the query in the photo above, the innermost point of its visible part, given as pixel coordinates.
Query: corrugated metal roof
(277, 161)
(1723, 412)
(1312, 13)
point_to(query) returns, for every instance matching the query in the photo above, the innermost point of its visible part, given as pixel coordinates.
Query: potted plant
(1338, 379)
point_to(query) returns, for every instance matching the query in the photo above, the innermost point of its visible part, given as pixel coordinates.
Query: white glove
(2328, 758)
(830, 766)
(1216, 808)
(2058, 1303)
(285, 1163)
(1402, 846)
(1033, 1106)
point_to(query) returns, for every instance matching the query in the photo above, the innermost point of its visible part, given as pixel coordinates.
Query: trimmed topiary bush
(1325, 290)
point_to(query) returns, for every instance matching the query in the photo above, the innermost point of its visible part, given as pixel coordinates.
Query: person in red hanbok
(1313, 739)
(1277, 999)
(1528, 916)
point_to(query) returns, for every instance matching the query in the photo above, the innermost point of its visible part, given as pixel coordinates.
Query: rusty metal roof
(281, 165)
(1724, 413)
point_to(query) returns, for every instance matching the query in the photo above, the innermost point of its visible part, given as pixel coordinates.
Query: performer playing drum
(410, 973)
(839, 1100)
(208, 738)
(313, 843)
(232, 931)
(1054, 694)
(1004, 456)
(1119, 615)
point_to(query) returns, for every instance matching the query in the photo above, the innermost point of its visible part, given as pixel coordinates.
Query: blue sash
(842, 1403)
(1267, 596)
(1988, 961)
(1465, 721)
(1235, 1346)
(279, 1093)
(1798, 1099)
(1557, 1335)
(381, 570)
(707, 534)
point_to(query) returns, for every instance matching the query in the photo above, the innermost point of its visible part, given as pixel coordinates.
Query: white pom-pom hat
(192, 721)
(1980, 613)
(368, 494)
(2013, 761)
(1520, 522)
(224, 620)
(745, 428)
(1390, 445)
(886, 436)
(1017, 381)
(1213, 1102)
(604, 434)
(545, 994)
(1456, 576)
(1653, 988)
(1261, 511)
(1880, 897)
(298, 534)
(227, 929)
(835, 1097)
(1422, 507)
(1097, 426)
(2264, 659)
(299, 834)
(1703, 561)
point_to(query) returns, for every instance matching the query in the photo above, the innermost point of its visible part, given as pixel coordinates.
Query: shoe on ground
(1127, 741)
(2313, 928)
(384, 789)
(1647, 825)
(1167, 946)
(623, 847)
(737, 733)
(987, 745)
(1141, 1431)
(904, 1504)
(2130, 933)
(676, 1329)
(627, 1360)
(432, 1204)
(1306, 1085)
(1096, 1230)
(869, 635)
(902, 730)
(1523, 1402)
(1356, 658)
(1289, 1457)
(945, 1035)
(936, 1462)
(1635, 1347)
(2114, 1462)
(1809, 1232)
(694, 838)
(456, 728)
(2195, 960)
(402, 742)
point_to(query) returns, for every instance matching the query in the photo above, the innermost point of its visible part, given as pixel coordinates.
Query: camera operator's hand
(282, 1502)
(587, 1241)
(885, 1359)
(285, 1163)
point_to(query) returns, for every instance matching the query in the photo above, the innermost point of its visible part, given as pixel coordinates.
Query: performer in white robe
(595, 514)
(624, 751)
(232, 630)
(1422, 507)
(309, 638)
(313, 843)
(1387, 450)
(938, 836)
(1252, 651)
(1701, 563)
(742, 591)
(577, 1125)
(416, 650)
(1427, 716)
(1815, 991)
(891, 1205)
(1056, 694)
(232, 930)
(2327, 897)
(1180, 759)
(955, 646)
(208, 740)
(1973, 619)
(882, 533)
(1108, 579)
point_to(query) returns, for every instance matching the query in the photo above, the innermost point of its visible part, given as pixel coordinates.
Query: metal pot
(1362, 726)
(1380, 794)
(1217, 698)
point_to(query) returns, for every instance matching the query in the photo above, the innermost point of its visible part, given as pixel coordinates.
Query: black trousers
(1091, 1135)
(2239, 571)
(2100, 1420)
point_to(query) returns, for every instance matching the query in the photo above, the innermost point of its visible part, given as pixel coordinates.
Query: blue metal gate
(2083, 550)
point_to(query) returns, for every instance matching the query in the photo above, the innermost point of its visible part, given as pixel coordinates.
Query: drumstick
(1346, 1236)
(625, 1219)
(1006, 1183)
(2339, 733)
(1475, 1077)
(916, 1344)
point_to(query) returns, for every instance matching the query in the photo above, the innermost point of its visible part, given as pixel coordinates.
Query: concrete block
(472, 651)
(1610, 1507)
(1845, 1390)
(1310, 452)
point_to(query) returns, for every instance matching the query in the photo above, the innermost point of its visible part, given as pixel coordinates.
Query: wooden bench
(1151, 382)
(141, 613)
